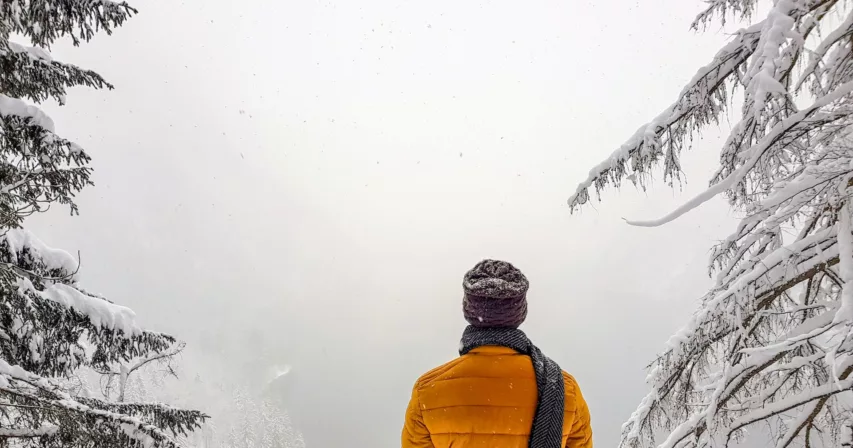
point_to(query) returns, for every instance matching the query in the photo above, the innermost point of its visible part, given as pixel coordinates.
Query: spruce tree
(50, 327)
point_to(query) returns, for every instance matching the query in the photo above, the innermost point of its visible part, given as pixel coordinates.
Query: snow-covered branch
(794, 123)
(27, 433)
(702, 102)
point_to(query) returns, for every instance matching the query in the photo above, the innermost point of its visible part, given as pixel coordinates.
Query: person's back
(492, 394)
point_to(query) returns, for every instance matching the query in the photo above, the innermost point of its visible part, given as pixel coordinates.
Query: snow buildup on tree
(51, 329)
(20, 242)
(36, 53)
(18, 108)
(772, 342)
(101, 313)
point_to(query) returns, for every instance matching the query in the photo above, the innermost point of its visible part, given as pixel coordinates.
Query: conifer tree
(50, 327)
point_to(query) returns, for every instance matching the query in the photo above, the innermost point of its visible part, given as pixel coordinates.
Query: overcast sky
(305, 183)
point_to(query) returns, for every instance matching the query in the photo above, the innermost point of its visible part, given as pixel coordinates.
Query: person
(501, 392)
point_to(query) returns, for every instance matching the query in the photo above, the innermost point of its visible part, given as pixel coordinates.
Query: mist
(300, 186)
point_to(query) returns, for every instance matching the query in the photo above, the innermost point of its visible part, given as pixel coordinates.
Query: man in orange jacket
(502, 392)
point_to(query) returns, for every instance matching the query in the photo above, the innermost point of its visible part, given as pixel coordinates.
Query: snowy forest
(265, 212)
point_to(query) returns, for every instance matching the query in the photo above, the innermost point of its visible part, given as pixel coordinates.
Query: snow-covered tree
(241, 417)
(258, 423)
(50, 327)
(771, 347)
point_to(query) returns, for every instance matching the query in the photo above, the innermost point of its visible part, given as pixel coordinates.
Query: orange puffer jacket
(486, 399)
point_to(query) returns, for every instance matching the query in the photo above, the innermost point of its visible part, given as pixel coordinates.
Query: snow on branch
(101, 313)
(702, 102)
(795, 123)
(27, 433)
(51, 268)
(13, 106)
(25, 249)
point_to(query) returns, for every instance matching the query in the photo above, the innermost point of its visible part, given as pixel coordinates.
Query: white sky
(305, 183)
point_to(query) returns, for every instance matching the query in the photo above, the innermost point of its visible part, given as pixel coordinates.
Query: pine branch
(45, 21)
(27, 72)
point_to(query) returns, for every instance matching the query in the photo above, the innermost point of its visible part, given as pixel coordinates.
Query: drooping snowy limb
(699, 104)
(800, 124)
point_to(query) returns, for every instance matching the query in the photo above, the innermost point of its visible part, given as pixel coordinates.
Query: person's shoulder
(437, 373)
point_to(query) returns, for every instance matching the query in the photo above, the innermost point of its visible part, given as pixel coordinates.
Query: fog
(305, 183)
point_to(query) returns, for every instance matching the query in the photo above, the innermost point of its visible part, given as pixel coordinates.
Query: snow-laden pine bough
(770, 350)
(50, 328)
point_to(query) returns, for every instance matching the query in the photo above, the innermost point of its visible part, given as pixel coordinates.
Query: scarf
(547, 431)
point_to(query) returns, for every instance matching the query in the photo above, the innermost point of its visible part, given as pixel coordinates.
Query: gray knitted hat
(495, 295)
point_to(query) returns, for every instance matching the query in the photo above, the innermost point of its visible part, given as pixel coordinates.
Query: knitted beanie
(495, 295)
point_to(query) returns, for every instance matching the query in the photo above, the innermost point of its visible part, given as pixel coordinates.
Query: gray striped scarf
(547, 431)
